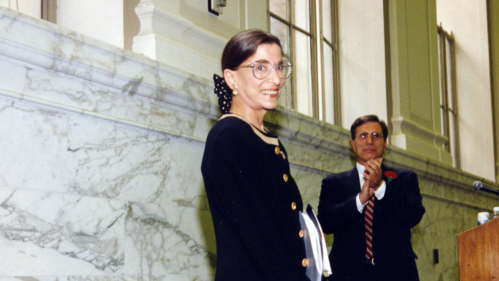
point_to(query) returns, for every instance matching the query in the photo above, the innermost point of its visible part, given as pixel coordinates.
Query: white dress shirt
(379, 193)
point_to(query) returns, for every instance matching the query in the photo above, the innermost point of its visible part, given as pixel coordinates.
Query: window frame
(335, 63)
(448, 94)
(317, 39)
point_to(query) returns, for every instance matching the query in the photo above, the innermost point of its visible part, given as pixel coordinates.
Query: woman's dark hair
(368, 118)
(239, 48)
(243, 45)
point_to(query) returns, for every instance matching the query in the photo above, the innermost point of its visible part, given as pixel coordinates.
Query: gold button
(327, 273)
(293, 206)
(277, 150)
(304, 262)
(285, 177)
(301, 233)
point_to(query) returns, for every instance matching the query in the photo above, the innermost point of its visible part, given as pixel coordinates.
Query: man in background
(371, 210)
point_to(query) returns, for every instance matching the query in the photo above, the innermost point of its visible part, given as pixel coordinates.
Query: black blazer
(254, 203)
(400, 210)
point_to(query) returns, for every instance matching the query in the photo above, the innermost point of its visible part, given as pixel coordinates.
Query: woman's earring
(234, 90)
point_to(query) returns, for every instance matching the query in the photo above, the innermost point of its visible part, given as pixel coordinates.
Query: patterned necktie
(368, 218)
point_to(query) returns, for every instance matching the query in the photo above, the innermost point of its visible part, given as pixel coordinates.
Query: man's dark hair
(368, 118)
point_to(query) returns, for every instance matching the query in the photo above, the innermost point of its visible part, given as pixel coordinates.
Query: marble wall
(100, 153)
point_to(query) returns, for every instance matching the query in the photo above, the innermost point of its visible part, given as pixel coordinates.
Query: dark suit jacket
(254, 203)
(400, 209)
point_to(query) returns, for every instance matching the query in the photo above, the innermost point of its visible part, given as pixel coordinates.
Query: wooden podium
(479, 252)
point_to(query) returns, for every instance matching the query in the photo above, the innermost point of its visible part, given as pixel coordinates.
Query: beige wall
(403, 87)
(362, 59)
(473, 83)
(28, 7)
(102, 20)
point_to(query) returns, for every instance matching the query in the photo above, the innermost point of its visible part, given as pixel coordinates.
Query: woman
(254, 201)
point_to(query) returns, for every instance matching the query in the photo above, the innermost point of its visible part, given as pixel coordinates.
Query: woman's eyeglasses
(262, 69)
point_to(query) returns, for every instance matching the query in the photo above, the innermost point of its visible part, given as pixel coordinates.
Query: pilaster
(414, 95)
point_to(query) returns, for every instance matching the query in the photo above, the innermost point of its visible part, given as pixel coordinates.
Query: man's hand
(373, 173)
(366, 192)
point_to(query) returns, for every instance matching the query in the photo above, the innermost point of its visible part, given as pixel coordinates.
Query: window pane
(448, 66)
(281, 31)
(326, 20)
(286, 98)
(328, 84)
(302, 14)
(443, 87)
(303, 69)
(280, 8)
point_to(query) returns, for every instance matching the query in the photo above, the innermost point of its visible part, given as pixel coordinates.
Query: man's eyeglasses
(376, 137)
(262, 69)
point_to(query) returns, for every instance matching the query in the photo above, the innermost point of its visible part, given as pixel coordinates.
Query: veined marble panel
(61, 171)
(168, 240)
(47, 150)
(69, 93)
(442, 222)
(50, 233)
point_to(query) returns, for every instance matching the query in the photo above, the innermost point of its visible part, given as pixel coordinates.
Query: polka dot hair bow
(224, 94)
